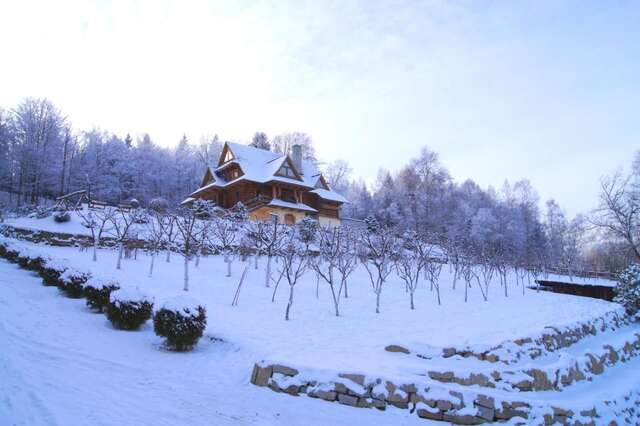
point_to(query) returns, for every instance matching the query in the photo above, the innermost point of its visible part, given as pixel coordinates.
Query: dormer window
(228, 156)
(287, 171)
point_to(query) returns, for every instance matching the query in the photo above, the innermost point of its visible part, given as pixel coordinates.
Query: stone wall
(426, 400)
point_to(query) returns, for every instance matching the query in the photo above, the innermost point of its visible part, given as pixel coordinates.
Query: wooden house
(270, 184)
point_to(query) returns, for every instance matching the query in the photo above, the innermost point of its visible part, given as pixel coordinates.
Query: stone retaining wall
(513, 351)
(552, 378)
(426, 400)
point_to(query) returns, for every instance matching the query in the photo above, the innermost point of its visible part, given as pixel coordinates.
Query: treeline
(42, 156)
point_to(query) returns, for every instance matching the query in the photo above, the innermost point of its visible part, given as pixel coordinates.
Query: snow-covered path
(62, 365)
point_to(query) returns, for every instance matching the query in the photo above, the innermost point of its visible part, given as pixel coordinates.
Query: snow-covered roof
(329, 195)
(259, 165)
(276, 202)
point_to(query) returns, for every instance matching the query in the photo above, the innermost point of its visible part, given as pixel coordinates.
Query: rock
(485, 401)
(478, 379)
(443, 405)
(486, 413)
(465, 419)
(349, 400)
(326, 395)
(540, 380)
(262, 375)
(557, 411)
(595, 366)
(396, 348)
(292, 390)
(524, 385)
(491, 358)
(283, 369)
(409, 388)
(426, 414)
(589, 413)
(441, 377)
(448, 352)
(356, 378)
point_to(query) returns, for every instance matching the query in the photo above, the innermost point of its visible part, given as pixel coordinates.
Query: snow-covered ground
(355, 341)
(62, 365)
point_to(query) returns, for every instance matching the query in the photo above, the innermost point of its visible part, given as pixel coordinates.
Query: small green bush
(128, 309)
(51, 271)
(61, 217)
(181, 322)
(97, 292)
(72, 281)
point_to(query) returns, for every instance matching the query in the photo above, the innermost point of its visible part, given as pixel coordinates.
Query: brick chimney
(296, 157)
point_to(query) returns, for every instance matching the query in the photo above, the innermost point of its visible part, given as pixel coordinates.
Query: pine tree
(628, 289)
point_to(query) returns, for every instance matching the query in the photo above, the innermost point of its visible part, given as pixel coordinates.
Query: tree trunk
(318, 286)
(228, 260)
(95, 250)
(268, 274)
(411, 297)
(153, 258)
(197, 260)
(378, 291)
(336, 300)
(256, 262)
(168, 258)
(286, 315)
(120, 249)
(186, 273)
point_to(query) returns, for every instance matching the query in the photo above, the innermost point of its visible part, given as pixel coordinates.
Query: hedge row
(180, 321)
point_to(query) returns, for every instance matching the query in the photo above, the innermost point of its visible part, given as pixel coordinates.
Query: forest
(42, 156)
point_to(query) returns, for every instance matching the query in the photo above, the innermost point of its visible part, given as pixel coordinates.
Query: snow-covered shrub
(72, 282)
(97, 292)
(51, 271)
(12, 253)
(134, 203)
(628, 289)
(159, 205)
(30, 260)
(62, 216)
(139, 216)
(181, 321)
(129, 308)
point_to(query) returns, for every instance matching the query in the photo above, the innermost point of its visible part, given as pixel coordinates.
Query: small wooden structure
(587, 290)
(72, 201)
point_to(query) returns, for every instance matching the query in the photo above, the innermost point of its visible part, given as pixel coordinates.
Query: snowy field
(355, 341)
(63, 366)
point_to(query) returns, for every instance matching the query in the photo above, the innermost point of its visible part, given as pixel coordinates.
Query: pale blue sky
(544, 90)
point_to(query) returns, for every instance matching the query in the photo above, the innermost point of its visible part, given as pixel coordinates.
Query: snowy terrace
(355, 341)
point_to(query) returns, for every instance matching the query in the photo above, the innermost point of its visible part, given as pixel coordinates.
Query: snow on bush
(61, 216)
(72, 282)
(97, 292)
(129, 308)
(181, 321)
(51, 271)
(628, 289)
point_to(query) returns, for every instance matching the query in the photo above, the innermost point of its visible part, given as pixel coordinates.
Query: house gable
(207, 178)
(226, 155)
(288, 170)
(321, 183)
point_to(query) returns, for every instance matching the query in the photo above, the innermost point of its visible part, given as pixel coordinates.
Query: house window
(287, 195)
(287, 171)
(289, 219)
(228, 156)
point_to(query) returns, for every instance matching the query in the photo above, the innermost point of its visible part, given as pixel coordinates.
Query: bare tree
(122, 222)
(377, 247)
(187, 221)
(293, 261)
(410, 261)
(97, 222)
(618, 212)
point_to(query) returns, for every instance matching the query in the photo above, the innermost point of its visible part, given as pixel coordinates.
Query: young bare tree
(410, 261)
(189, 228)
(121, 227)
(97, 221)
(224, 234)
(378, 244)
(272, 234)
(157, 234)
(334, 262)
(293, 261)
